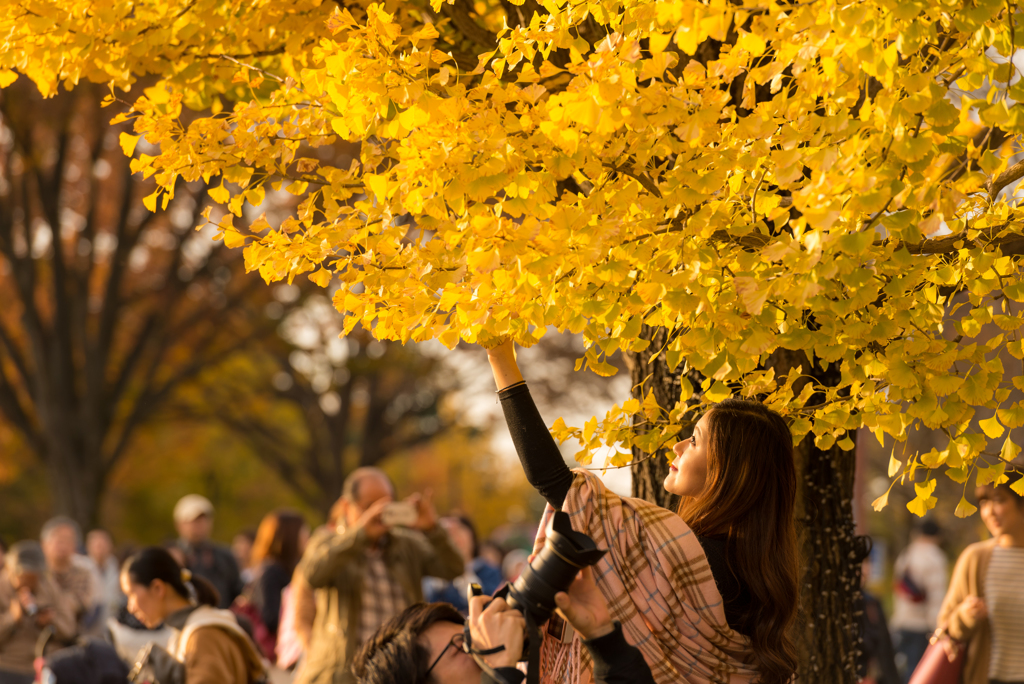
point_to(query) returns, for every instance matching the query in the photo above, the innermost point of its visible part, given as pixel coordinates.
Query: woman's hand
(492, 623)
(974, 609)
(584, 607)
(503, 364)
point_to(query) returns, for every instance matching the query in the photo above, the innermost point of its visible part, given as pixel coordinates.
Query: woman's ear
(158, 588)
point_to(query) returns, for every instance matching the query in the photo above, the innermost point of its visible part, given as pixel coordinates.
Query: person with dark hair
(984, 606)
(367, 571)
(478, 570)
(209, 642)
(30, 603)
(425, 643)
(280, 541)
(920, 578)
(278, 546)
(193, 518)
(714, 591)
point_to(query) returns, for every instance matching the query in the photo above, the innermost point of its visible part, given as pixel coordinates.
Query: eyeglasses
(457, 640)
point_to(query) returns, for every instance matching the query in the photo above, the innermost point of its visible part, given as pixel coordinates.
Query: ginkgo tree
(743, 178)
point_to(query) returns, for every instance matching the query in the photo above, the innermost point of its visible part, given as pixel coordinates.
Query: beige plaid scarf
(658, 584)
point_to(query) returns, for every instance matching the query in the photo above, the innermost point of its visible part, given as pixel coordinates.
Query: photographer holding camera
(368, 569)
(426, 643)
(430, 644)
(30, 603)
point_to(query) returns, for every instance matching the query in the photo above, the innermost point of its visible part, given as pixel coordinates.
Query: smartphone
(401, 513)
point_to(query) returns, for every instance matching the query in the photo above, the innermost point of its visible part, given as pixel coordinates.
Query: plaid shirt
(382, 597)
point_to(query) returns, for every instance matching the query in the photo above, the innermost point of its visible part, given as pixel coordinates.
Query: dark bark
(92, 347)
(827, 629)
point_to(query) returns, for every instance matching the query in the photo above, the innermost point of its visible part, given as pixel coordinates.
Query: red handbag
(942, 662)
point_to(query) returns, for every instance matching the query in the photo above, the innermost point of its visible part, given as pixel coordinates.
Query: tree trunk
(827, 629)
(75, 482)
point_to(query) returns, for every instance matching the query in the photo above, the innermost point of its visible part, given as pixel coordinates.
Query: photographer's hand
(492, 623)
(426, 512)
(584, 607)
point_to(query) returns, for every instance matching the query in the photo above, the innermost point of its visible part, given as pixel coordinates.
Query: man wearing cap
(193, 517)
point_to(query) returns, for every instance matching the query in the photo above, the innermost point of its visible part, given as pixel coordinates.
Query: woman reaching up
(706, 593)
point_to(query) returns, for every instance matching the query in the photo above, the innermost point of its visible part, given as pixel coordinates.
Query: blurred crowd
(287, 603)
(292, 592)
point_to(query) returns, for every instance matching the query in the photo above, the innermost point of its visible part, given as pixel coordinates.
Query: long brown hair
(748, 498)
(278, 539)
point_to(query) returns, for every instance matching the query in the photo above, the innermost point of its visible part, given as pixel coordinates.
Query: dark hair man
(424, 644)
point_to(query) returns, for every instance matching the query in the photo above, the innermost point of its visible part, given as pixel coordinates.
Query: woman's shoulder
(976, 552)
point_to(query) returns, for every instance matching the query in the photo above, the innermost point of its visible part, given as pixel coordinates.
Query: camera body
(565, 553)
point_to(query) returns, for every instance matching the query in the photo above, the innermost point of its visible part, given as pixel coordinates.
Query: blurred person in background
(367, 572)
(920, 578)
(513, 564)
(193, 518)
(280, 541)
(877, 662)
(241, 549)
(209, 642)
(477, 569)
(492, 552)
(73, 573)
(299, 608)
(100, 547)
(30, 602)
(984, 606)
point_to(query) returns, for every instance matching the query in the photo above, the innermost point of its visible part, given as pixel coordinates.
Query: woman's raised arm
(541, 459)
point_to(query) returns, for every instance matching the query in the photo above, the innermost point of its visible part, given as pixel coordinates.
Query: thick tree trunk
(76, 484)
(827, 631)
(651, 373)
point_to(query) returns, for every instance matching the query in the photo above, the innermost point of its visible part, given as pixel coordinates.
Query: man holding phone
(30, 602)
(369, 569)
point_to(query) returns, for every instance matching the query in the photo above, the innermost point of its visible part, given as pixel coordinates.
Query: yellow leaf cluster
(751, 176)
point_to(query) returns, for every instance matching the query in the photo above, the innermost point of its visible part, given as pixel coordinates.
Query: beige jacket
(969, 580)
(18, 638)
(333, 566)
(214, 649)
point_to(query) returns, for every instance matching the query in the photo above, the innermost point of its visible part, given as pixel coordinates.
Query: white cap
(191, 506)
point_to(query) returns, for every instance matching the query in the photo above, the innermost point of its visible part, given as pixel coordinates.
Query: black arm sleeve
(537, 450)
(616, 662)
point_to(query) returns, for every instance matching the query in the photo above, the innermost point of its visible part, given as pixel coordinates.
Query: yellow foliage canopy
(754, 175)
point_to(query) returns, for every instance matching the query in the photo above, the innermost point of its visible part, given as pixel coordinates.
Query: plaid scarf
(658, 584)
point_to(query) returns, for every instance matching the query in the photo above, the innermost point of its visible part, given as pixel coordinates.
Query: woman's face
(689, 472)
(145, 603)
(1001, 512)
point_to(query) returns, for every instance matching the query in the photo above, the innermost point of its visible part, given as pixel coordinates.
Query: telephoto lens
(565, 553)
